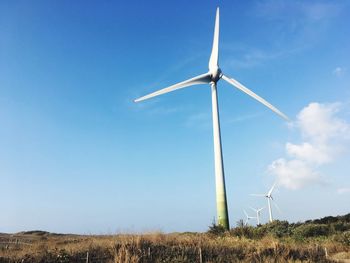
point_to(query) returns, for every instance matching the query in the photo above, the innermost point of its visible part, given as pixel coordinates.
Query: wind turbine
(269, 197)
(247, 218)
(212, 77)
(257, 211)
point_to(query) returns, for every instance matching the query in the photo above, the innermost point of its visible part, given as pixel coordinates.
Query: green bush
(311, 230)
(216, 230)
(343, 238)
(243, 231)
(334, 226)
(276, 228)
(340, 226)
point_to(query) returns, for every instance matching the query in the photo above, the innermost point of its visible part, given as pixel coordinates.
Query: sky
(77, 155)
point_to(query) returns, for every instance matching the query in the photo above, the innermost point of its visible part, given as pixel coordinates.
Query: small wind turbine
(257, 211)
(212, 77)
(247, 218)
(269, 197)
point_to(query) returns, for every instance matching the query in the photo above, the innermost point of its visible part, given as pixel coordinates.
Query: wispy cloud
(297, 10)
(250, 57)
(300, 23)
(339, 72)
(345, 190)
(298, 26)
(203, 120)
(152, 107)
(325, 136)
(200, 120)
(243, 118)
(158, 83)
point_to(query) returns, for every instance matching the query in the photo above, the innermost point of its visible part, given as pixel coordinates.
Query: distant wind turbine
(247, 218)
(212, 77)
(257, 211)
(269, 199)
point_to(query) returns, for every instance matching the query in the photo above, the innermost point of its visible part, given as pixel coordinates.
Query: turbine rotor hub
(216, 74)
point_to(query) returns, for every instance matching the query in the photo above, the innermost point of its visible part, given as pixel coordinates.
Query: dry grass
(158, 247)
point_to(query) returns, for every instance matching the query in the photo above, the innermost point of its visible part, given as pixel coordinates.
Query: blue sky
(77, 155)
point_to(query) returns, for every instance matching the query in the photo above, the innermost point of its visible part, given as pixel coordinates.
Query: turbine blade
(279, 210)
(253, 209)
(214, 57)
(201, 79)
(241, 87)
(245, 213)
(270, 192)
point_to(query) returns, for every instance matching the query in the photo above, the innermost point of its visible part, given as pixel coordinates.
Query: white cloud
(345, 190)
(324, 135)
(310, 153)
(319, 123)
(294, 174)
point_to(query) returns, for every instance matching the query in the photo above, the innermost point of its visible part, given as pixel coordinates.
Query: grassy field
(323, 240)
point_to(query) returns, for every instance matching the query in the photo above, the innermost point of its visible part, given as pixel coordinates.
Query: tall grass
(322, 240)
(158, 247)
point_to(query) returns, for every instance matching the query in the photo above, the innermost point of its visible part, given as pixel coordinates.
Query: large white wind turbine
(269, 197)
(257, 211)
(212, 77)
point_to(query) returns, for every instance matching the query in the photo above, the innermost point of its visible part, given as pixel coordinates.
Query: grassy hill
(321, 240)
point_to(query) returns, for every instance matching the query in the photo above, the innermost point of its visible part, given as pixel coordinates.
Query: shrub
(216, 230)
(310, 230)
(243, 231)
(277, 228)
(343, 238)
(340, 226)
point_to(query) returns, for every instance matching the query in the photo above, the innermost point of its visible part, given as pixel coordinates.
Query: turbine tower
(257, 211)
(269, 197)
(212, 77)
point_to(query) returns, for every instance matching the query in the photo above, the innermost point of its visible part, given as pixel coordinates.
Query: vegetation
(330, 228)
(321, 240)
